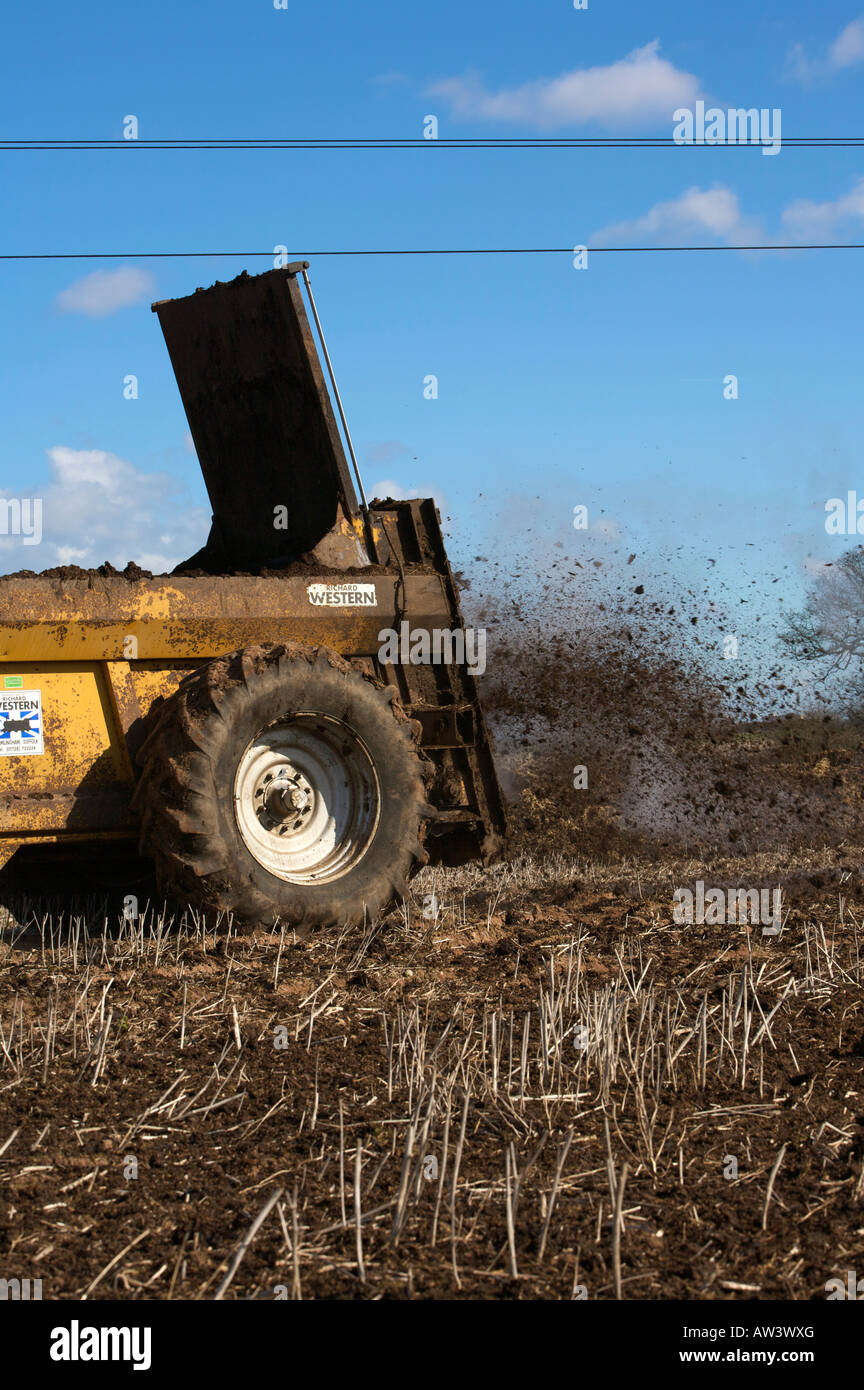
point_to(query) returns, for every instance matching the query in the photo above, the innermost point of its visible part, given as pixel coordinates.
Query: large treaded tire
(185, 796)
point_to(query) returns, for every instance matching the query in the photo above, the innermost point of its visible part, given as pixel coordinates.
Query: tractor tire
(280, 784)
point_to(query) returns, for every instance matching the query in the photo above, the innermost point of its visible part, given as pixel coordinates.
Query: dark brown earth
(703, 1044)
(716, 1095)
(132, 572)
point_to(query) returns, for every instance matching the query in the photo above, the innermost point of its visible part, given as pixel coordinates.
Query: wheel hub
(283, 800)
(307, 799)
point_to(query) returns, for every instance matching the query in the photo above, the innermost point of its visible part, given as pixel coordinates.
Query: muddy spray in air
(619, 722)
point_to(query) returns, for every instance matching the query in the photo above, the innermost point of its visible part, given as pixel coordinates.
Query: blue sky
(556, 386)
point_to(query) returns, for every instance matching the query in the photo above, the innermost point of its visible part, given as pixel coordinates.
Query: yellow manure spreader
(288, 724)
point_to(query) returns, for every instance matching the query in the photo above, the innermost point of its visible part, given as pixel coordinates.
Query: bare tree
(830, 628)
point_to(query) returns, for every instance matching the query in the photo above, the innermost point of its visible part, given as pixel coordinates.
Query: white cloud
(698, 213)
(805, 218)
(715, 214)
(641, 87)
(846, 50)
(99, 507)
(105, 291)
(848, 47)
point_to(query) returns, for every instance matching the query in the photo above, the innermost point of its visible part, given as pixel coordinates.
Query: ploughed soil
(451, 1103)
(456, 1101)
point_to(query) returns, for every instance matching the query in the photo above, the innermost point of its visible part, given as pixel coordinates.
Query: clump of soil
(106, 570)
(132, 572)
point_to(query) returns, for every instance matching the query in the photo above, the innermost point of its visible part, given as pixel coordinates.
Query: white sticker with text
(20, 722)
(342, 595)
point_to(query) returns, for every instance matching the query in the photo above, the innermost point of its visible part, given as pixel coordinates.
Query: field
(530, 1081)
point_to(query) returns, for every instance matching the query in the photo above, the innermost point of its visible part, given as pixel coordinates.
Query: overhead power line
(424, 251)
(567, 142)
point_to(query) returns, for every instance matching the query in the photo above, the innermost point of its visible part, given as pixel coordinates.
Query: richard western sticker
(20, 722)
(342, 595)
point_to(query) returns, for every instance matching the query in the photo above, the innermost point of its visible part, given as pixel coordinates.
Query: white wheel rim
(307, 799)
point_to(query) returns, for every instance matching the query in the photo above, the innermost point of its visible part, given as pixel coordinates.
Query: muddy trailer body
(240, 718)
